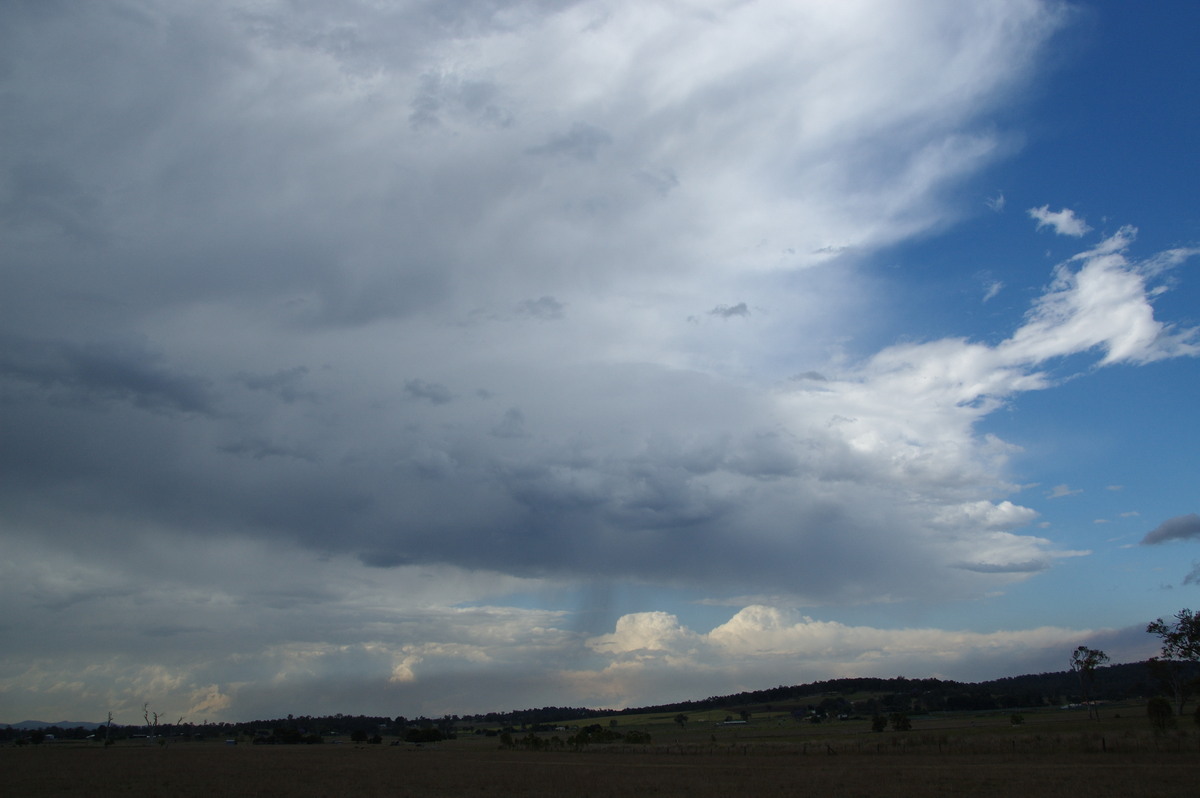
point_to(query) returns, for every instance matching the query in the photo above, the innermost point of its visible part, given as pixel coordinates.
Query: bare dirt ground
(473, 769)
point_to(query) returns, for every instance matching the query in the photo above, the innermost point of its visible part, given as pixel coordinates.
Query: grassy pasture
(1052, 753)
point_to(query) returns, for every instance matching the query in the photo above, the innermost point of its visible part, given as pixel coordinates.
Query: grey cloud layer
(279, 285)
(275, 274)
(1182, 527)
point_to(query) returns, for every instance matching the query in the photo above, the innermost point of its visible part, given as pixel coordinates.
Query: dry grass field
(1049, 755)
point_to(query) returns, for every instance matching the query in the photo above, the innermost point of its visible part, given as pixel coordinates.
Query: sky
(424, 358)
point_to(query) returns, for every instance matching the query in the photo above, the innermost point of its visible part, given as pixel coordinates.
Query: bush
(423, 736)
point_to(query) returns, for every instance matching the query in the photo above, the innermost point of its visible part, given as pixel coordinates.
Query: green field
(1053, 752)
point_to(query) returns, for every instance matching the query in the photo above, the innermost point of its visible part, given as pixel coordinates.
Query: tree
(1180, 645)
(1181, 640)
(900, 722)
(1162, 718)
(152, 724)
(682, 720)
(426, 736)
(1084, 662)
(878, 723)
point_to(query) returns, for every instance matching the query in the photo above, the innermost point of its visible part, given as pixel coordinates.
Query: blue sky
(422, 358)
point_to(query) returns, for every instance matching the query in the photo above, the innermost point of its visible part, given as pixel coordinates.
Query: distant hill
(1113, 682)
(862, 695)
(34, 725)
(868, 695)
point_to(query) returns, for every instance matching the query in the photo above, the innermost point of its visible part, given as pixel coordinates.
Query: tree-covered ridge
(1114, 682)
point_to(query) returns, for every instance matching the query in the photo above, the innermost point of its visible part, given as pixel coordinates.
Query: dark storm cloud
(654, 500)
(433, 392)
(1181, 527)
(582, 142)
(512, 425)
(259, 449)
(1028, 567)
(390, 559)
(169, 192)
(173, 631)
(440, 95)
(286, 383)
(44, 195)
(80, 595)
(88, 373)
(662, 181)
(547, 308)
(729, 311)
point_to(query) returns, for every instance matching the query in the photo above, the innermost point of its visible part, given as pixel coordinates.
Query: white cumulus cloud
(1064, 222)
